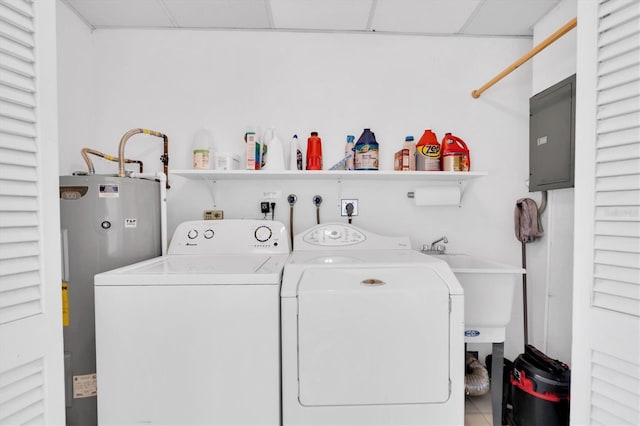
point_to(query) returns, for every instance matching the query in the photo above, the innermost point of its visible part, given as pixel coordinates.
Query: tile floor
(477, 410)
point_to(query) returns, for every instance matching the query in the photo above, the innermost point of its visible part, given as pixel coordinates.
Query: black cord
(291, 225)
(273, 210)
(349, 208)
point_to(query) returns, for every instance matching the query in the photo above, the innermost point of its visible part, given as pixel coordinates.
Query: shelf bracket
(211, 186)
(438, 195)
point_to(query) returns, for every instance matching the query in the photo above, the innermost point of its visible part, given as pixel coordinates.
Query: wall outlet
(213, 215)
(343, 207)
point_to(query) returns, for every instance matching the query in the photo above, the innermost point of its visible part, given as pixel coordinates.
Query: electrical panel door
(552, 137)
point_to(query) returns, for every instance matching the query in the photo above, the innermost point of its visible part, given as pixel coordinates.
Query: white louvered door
(606, 348)
(31, 368)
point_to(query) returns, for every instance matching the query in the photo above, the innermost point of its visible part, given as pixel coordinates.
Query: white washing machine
(193, 337)
(372, 332)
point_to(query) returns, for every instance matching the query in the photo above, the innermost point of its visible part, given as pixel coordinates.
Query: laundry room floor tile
(482, 402)
(478, 411)
(475, 419)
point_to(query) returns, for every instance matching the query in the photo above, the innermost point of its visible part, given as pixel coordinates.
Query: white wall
(178, 82)
(76, 97)
(550, 259)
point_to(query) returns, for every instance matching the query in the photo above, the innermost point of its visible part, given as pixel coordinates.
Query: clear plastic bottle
(411, 146)
(202, 142)
(295, 158)
(349, 149)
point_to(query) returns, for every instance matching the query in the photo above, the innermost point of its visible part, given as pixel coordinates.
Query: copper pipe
(553, 37)
(164, 158)
(108, 157)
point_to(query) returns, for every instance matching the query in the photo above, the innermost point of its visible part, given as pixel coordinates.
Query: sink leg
(497, 363)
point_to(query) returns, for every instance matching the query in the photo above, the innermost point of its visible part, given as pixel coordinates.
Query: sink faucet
(436, 247)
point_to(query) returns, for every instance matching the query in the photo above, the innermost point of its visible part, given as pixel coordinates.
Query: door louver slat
(19, 201)
(22, 395)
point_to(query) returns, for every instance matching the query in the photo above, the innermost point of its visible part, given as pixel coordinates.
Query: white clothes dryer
(372, 332)
(193, 337)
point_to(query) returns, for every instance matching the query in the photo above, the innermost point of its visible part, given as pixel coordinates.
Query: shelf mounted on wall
(342, 175)
(443, 188)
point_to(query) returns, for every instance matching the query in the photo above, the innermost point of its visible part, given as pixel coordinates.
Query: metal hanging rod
(553, 37)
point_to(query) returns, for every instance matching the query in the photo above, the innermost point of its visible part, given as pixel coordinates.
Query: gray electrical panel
(106, 222)
(552, 114)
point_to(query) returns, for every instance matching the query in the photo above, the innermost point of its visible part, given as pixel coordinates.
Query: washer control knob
(334, 234)
(263, 233)
(192, 234)
(208, 234)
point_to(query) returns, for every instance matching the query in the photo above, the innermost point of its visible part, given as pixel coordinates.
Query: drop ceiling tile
(321, 14)
(508, 17)
(420, 16)
(122, 13)
(219, 13)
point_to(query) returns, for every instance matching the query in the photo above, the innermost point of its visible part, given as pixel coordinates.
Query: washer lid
(182, 269)
(373, 336)
(300, 261)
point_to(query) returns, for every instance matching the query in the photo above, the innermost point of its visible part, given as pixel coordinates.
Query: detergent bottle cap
(314, 133)
(367, 137)
(408, 139)
(350, 138)
(428, 138)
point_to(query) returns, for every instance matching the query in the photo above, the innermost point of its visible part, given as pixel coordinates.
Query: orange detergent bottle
(314, 152)
(428, 152)
(454, 154)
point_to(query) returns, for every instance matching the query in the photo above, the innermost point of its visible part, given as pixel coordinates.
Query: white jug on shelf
(274, 152)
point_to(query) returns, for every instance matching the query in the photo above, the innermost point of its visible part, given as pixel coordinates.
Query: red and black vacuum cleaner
(540, 389)
(540, 386)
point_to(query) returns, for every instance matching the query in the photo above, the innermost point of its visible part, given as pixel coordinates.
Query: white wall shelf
(340, 175)
(450, 184)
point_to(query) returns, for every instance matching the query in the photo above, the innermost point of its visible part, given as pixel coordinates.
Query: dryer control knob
(208, 234)
(192, 234)
(263, 233)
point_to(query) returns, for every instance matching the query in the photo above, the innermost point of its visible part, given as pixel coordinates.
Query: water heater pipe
(164, 158)
(163, 203)
(530, 54)
(89, 163)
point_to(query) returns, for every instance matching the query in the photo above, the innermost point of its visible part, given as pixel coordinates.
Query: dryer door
(373, 336)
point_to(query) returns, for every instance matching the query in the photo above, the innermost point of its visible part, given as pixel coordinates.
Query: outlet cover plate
(343, 206)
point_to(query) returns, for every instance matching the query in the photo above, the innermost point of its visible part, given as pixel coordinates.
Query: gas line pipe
(89, 163)
(164, 158)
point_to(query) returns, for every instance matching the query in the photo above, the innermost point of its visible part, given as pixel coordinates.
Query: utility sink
(488, 294)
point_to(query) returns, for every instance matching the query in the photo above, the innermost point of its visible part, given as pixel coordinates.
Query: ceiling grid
(493, 18)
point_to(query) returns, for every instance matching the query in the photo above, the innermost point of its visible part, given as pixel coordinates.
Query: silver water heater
(106, 222)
